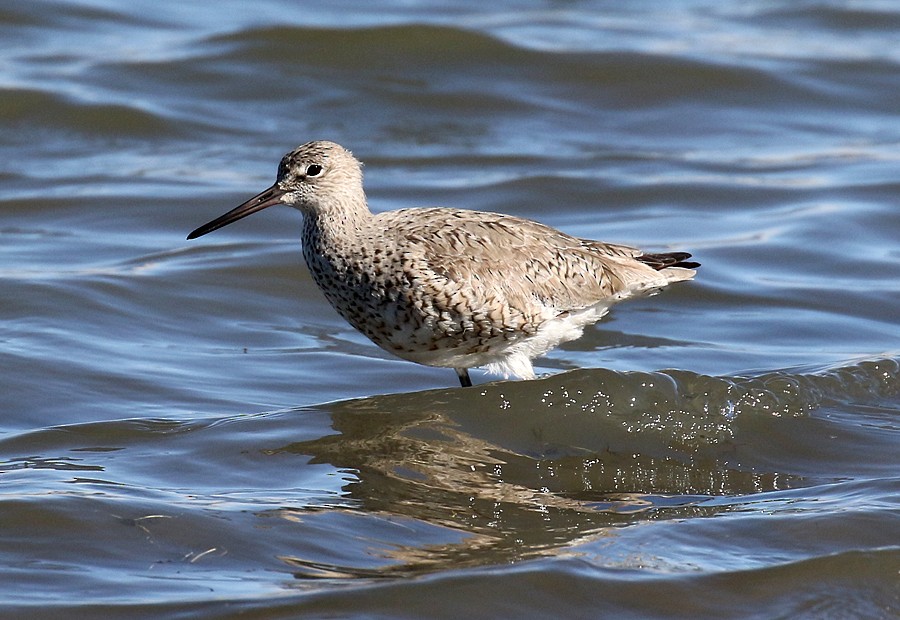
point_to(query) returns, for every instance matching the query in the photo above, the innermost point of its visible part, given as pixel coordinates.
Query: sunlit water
(188, 427)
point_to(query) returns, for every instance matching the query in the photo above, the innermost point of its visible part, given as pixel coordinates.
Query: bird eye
(314, 170)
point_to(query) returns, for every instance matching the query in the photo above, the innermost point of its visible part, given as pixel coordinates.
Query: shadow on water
(525, 468)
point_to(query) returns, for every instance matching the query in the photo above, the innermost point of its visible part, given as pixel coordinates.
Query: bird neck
(336, 228)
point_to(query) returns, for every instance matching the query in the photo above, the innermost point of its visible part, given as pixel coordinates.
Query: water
(189, 429)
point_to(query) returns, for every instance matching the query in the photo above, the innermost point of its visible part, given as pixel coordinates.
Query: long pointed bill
(266, 198)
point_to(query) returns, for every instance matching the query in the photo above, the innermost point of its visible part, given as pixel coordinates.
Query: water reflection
(519, 470)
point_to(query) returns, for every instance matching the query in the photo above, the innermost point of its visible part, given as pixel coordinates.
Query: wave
(522, 467)
(41, 110)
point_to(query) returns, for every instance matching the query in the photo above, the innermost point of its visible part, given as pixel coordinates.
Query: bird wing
(524, 262)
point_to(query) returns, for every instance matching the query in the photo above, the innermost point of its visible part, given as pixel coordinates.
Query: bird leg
(463, 374)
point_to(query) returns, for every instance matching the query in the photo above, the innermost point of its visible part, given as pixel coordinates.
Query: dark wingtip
(669, 259)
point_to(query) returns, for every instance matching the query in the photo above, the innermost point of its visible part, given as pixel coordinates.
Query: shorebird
(451, 287)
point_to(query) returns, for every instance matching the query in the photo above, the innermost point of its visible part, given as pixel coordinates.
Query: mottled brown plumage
(450, 287)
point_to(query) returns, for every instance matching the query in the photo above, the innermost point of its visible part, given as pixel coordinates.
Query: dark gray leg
(463, 374)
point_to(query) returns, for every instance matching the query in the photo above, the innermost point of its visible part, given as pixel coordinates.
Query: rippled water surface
(189, 429)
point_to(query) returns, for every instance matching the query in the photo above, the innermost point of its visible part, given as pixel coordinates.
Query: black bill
(266, 198)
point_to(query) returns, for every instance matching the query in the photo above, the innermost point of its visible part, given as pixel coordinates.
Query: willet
(450, 287)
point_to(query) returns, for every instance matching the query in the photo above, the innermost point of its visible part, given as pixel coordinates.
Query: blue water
(189, 429)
